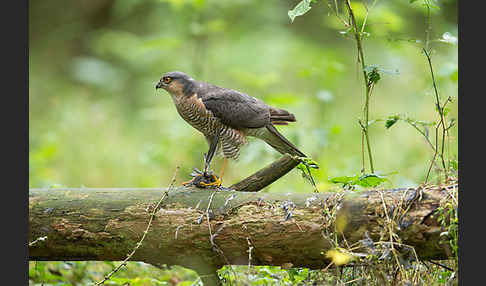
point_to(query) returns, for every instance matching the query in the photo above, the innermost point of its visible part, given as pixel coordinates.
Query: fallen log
(294, 229)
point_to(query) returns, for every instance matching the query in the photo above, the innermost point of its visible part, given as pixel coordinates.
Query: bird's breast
(193, 111)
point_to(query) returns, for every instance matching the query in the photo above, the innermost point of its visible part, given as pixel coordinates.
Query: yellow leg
(188, 182)
(222, 168)
(218, 181)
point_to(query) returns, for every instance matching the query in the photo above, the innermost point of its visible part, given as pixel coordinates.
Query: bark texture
(293, 230)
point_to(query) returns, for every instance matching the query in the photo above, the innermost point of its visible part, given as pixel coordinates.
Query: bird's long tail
(282, 145)
(279, 142)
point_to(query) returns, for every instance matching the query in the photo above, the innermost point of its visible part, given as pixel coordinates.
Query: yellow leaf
(338, 257)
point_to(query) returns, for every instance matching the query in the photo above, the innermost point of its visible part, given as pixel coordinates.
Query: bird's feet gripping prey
(203, 179)
(206, 178)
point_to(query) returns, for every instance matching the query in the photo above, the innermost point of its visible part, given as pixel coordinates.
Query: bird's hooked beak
(160, 84)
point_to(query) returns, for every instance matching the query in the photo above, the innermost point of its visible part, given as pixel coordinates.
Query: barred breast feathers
(193, 111)
(231, 141)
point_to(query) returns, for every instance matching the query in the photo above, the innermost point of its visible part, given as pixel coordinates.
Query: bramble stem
(366, 80)
(441, 123)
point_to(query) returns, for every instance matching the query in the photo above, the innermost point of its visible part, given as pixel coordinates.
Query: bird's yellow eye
(167, 79)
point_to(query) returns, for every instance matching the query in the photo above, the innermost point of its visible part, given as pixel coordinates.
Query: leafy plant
(300, 9)
(305, 166)
(363, 180)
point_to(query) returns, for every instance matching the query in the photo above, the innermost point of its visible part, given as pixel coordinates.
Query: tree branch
(297, 229)
(267, 175)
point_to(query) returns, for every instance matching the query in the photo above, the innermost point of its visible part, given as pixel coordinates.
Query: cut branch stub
(267, 175)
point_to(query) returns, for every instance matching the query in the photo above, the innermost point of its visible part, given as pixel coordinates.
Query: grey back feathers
(233, 108)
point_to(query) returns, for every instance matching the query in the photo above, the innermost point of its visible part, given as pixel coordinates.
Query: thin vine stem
(137, 246)
(441, 123)
(368, 86)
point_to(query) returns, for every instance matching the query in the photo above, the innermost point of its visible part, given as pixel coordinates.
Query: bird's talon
(215, 182)
(204, 180)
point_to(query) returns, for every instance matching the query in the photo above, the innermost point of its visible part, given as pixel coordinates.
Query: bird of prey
(226, 117)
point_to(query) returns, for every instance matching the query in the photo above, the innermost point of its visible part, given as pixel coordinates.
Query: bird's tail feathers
(275, 122)
(281, 117)
(280, 143)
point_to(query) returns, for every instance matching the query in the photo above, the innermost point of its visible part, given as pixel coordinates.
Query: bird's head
(176, 83)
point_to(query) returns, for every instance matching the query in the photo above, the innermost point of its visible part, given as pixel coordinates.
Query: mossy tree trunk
(293, 230)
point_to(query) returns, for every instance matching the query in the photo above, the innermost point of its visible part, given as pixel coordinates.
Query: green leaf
(391, 121)
(454, 76)
(411, 1)
(299, 10)
(304, 166)
(445, 111)
(309, 162)
(373, 74)
(370, 180)
(454, 165)
(347, 180)
(430, 5)
(366, 180)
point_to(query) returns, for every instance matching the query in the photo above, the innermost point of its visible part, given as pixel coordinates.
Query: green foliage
(373, 76)
(308, 162)
(364, 180)
(86, 273)
(449, 219)
(390, 121)
(421, 126)
(444, 277)
(454, 164)
(263, 275)
(300, 9)
(305, 166)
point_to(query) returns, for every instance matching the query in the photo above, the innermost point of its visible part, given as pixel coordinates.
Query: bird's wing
(235, 109)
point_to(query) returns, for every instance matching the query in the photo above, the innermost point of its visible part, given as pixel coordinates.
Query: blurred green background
(96, 120)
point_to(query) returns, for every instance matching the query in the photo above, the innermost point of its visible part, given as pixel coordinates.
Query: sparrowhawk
(226, 117)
